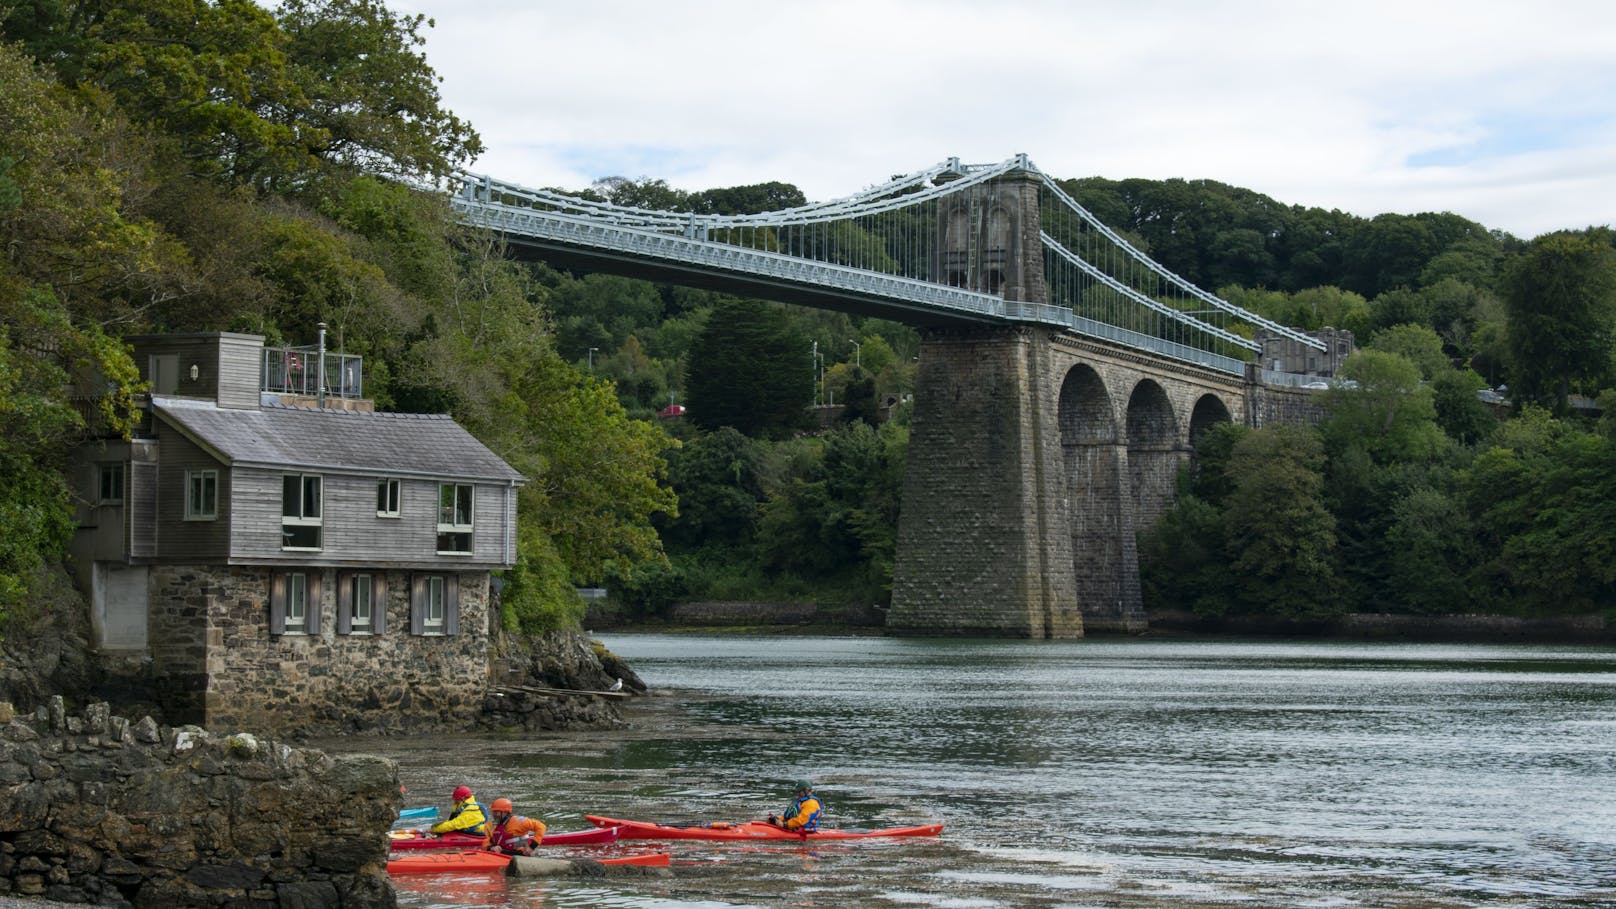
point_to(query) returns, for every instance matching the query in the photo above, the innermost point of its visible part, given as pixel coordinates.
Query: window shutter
(315, 597)
(378, 603)
(451, 604)
(277, 603)
(417, 604)
(344, 602)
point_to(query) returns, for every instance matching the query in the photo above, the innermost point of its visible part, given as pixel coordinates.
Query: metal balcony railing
(296, 371)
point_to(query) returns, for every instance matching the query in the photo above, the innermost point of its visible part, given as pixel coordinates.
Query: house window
(434, 607)
(297, 603)
(201, 495)
(387, 498)
(454, 518)
(109, 484)
(300, 511)
(362, 602)
(435, 604)
(364, 605)
(294, 602)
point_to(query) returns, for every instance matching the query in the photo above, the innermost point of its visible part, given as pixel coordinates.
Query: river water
(1096, 773)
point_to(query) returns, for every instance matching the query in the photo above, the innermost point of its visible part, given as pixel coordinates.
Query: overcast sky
(1504, 113)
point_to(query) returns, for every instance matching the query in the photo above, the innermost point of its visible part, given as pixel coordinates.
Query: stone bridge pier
(1035, 459)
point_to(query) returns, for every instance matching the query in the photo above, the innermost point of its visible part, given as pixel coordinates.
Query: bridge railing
(584, 233)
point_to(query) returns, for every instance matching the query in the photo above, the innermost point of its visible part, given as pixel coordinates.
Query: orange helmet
(501, 805)
(461, 793)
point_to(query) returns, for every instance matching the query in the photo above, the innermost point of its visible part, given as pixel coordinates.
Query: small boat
(472, 860)
(448, 862)
(749, 830)
(410, 814)
(415, 839)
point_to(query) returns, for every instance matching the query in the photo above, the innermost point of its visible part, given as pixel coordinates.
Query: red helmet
(501, 805)
(461, 793)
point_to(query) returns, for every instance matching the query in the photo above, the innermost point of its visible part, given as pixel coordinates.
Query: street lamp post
(816, 373)
(592, 358)
(858, 353)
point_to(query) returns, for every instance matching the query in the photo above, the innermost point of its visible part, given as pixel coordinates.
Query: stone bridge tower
(1035, 455)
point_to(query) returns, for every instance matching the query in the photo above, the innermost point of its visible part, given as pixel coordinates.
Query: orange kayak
(479, 860)
(749, 830)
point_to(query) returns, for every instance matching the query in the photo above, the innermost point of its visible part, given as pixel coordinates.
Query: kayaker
(467, 816)
(510, 833)
(803, 815)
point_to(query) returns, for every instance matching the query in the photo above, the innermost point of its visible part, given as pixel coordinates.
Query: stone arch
(1095, 475)
(1154, 452)
(1085, 409)
(1209, 411)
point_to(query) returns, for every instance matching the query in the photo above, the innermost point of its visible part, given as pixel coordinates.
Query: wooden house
(270, 553)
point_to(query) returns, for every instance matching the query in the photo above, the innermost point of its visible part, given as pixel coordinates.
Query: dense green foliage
(186, 165)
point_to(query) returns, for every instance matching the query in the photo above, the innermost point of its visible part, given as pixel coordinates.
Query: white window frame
(435, 606)
(197, 496)
(302, 518)
(450, 514)
(103, 472)
(297, 603)
(362, 605)
(389, 497)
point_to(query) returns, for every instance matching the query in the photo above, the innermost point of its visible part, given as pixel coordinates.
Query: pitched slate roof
(278, 436)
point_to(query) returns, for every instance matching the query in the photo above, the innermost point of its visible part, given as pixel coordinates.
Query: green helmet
(800, 785)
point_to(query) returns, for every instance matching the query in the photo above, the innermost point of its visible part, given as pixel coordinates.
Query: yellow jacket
(802, 815)
(467, 817)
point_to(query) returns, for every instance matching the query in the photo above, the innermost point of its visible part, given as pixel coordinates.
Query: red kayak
(478, 860)
(415, 839)
(749, 830)
(447, 862)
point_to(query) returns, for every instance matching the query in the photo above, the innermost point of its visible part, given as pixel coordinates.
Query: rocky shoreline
(807, 618)
(97, 809)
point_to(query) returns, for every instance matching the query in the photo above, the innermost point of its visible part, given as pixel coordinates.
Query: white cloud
(1508, 106)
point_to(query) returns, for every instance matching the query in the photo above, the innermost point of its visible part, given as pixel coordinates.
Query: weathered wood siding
(177, 538)
(354, 535)
(240, 370)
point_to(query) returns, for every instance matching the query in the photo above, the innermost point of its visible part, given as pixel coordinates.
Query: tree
(750, 369)
(1388, 412)
(1432, 551)
(212, 77)
(1462, 416)
(1280, 539)
(716, 476)
(1415, 343)
(369, 91)
(1561, 299)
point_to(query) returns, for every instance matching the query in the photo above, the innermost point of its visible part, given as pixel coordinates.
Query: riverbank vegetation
(194, 166)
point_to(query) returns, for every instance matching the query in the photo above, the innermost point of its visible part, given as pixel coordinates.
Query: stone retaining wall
(96, 809)
(1574, 629)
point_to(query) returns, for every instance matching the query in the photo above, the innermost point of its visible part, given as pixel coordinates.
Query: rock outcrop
(97, 809)
(561, 680)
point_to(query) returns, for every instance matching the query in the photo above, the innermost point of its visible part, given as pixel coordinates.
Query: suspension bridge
(1063, 371)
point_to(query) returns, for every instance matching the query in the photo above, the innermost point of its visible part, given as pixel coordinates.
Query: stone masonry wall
(976, 554)
(1034, 460)
(320, 683)
(96, 809)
